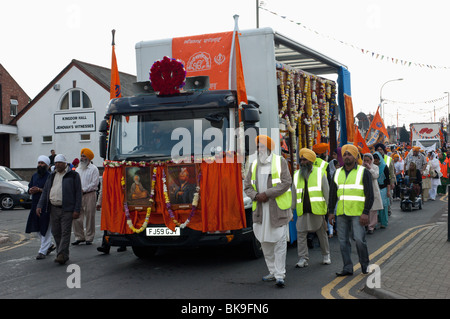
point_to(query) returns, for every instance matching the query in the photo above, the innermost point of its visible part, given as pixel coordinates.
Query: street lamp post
(448, 114)
(381, 97)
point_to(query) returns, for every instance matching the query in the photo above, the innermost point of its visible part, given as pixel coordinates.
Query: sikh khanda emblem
(378, 124)
(219, 59)
(118, 90)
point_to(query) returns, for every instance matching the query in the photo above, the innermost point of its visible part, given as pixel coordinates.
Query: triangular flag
(378, 124)
(359, 141)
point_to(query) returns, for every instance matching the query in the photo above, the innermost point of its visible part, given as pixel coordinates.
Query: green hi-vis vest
(284, 201)
(350, 191)
(387, 160)
(318, 203)
(321, 163)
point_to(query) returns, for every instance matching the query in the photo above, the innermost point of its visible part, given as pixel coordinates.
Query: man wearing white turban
(35, 223)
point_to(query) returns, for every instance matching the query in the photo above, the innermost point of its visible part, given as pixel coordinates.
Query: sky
(40, 38)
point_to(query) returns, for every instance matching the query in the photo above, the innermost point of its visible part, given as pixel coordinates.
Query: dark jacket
(71, 192)
(34, 222)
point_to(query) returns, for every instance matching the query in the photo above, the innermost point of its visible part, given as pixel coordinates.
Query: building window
(13, 107)
(75, 99)
(47, 139)
(27, 139)
(85, 137)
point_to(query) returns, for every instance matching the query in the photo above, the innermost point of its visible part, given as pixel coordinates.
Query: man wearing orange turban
(351, 193)
(268, 184)
(89, 183)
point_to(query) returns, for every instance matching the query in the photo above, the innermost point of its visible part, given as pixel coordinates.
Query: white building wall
(38, 121)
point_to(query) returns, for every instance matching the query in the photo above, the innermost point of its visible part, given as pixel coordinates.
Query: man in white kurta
(89, 182)
(269, 220)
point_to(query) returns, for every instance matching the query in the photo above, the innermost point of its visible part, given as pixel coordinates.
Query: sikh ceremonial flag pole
(115, 90)
(240, 88)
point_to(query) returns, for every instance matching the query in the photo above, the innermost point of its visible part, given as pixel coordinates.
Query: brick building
(13, 99)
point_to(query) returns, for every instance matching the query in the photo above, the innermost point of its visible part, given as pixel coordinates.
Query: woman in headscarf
(383, 183)
(435, 172)
(377, 203)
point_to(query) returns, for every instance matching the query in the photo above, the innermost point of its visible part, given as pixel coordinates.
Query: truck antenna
(113, 35)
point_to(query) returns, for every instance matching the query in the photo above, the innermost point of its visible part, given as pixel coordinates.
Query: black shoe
(344, 273)
(121, 249)
(77, 242)
(52, 248)
(88, 243)
(103, 249)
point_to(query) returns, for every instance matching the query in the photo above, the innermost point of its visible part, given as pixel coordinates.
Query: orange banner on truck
(207, 55)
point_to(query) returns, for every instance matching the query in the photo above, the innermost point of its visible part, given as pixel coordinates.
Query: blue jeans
(348, 226)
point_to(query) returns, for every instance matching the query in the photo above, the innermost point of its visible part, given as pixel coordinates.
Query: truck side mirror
(103, 130)
(251, 118)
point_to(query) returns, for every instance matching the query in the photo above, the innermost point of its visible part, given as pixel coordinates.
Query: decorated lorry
(175, 157)
(426, 135)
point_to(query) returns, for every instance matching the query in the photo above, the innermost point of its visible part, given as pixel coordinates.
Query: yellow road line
(326, 290)
(344, 292)
(20, 242)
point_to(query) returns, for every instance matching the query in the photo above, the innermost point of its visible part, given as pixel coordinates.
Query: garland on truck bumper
(307, 104)
(220, 206)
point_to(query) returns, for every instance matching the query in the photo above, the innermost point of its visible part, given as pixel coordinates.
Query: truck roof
(185, 100)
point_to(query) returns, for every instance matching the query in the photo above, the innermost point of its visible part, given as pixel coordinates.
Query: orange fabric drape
(221, 201)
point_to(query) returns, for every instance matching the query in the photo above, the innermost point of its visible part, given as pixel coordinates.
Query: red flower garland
(167, 76)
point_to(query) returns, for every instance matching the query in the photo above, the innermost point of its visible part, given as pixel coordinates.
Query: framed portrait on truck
(181, 185)
(138, 187)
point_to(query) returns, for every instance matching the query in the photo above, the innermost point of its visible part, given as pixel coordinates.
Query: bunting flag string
(424, 102)
(372, 54)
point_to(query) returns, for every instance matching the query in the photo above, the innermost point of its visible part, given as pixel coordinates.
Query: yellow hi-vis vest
(284, 201)
(387, 160)
(350, 191)
(318, 203)
(321, 163)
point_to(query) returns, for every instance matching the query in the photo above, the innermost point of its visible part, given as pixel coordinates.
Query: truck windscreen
(166, 135)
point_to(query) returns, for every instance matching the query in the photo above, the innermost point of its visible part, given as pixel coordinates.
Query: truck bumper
(188, 238)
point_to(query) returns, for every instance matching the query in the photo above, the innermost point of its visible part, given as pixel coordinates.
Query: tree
(404, 135)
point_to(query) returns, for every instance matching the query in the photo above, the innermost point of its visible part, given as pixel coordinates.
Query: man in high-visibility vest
(310, 197)
(351, 188)
(268, 184)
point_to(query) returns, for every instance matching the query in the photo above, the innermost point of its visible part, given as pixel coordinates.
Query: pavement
(419, 271)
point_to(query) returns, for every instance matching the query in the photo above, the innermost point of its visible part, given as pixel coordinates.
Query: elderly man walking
(62, 195)
(89, 183)
(35, 223)
(351, 188)
(267, 184)
(310, 196)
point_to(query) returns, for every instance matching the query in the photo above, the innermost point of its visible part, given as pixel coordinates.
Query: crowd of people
(347, 192)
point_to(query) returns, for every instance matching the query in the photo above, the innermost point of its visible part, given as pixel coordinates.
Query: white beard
(83, 165)
(263, 157)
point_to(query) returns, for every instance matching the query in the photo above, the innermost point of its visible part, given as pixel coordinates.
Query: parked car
(13, 190)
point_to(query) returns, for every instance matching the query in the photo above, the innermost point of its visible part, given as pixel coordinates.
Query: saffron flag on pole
(359, 141)
(378, 125)
(115, 90)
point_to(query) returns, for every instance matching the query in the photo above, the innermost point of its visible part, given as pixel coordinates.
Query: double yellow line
(344, 292)
(22, 240)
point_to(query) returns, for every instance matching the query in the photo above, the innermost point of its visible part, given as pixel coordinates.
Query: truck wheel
(144, 252)
(253, 249)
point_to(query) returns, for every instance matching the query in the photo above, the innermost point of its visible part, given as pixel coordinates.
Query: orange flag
(240, 81)
(115, 90)
(378, 124)
(359, 141)
(349, 118)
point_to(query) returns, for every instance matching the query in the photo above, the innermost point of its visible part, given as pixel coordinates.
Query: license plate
(162, 231)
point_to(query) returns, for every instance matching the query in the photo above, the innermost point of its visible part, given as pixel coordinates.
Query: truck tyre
(252, 248)
(144, 252)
